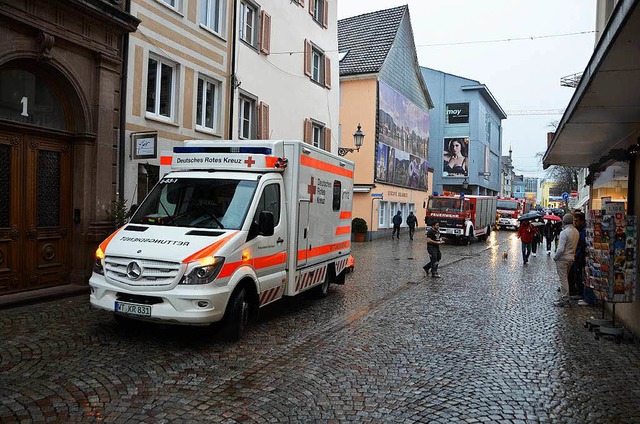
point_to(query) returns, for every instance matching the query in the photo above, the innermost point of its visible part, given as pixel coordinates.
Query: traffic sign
(565, 196)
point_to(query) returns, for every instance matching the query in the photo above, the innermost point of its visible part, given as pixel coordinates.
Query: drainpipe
(232, 79)
(123, 108)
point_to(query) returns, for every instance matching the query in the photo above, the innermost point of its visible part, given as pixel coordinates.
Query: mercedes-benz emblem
(134, 270)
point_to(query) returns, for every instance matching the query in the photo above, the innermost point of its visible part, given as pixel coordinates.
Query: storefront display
(611, 255)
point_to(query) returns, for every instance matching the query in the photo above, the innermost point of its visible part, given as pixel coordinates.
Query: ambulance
(233, 227)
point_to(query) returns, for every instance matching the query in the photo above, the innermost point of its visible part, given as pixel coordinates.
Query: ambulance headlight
(203, 271)
(98, 266)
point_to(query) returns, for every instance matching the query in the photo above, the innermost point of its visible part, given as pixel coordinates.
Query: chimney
(550, 136)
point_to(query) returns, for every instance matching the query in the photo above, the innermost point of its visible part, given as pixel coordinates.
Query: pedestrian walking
(433, 248)
(412, 221)
(557, 228)
(549, 233)
(397, 220)
(526, 232)
(537, 239)
(565, 256)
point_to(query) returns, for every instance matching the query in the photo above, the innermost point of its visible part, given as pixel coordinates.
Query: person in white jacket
(564, 257)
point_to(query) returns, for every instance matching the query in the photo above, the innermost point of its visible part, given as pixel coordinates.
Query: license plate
(133, 309)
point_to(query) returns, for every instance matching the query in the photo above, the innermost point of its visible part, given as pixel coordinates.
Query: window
(207, 104)
(382, 215)
(270, 201)
(211, 14)
(160, 87)
(247, 118)
(405, 213)
(248, 18)
(337, 195)
(316, 134)
(317, 65)
(319, 9)
(173, 3)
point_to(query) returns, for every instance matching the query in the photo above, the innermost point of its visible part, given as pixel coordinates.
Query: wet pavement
(481, 344)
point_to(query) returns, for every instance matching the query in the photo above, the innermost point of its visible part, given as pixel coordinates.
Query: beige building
(178, 85)
(383, 92)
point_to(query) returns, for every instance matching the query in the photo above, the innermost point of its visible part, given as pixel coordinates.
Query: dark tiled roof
(367, 39)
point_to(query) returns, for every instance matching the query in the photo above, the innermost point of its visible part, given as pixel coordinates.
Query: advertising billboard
(457, 113)
(455, 157)
(403, 140)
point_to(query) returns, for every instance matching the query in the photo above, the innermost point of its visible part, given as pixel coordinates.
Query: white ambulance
(233, 227)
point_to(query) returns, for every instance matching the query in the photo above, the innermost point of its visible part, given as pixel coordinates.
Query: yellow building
(383, 92)
(546, 186)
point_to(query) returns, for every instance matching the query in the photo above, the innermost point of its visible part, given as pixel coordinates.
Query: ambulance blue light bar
(209, 149)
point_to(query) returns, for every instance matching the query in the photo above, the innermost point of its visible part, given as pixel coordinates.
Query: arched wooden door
(35, 211)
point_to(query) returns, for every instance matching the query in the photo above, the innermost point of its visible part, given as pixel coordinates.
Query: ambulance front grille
(141, 272)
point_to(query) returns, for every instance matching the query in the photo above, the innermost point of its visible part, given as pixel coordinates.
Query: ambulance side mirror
(265, 223)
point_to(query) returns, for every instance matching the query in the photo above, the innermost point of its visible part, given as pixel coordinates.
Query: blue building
(465, 135)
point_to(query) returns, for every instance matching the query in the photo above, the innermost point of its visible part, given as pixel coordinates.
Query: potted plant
(359, 229)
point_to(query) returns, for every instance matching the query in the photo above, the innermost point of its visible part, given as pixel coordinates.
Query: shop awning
(581, 202)
(604, 112)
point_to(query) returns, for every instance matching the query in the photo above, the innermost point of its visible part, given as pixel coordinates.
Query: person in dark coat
(397, 220)
(549, 234)
(433, 248)
(412, 221)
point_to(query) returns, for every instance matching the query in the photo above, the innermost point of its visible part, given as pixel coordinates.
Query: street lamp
(358, 138)
(465, 183)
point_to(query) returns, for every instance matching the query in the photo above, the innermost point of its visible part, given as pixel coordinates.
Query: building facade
(228, 69)
(466, 135)
(506, 176)
(60, 118)
(383, 93)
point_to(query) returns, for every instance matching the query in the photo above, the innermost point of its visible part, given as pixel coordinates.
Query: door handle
(305, 233)
(280, 240)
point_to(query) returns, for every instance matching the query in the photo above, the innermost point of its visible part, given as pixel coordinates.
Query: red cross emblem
(249, 162)
(311, 189)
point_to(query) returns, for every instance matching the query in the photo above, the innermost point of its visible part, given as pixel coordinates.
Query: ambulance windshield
(197, 202)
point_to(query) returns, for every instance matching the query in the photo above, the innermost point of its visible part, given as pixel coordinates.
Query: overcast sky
(522, 75)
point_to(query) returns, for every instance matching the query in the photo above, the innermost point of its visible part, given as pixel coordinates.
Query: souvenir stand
(611, 263)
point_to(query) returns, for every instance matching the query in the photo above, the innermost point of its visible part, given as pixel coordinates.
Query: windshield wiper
(211, 215)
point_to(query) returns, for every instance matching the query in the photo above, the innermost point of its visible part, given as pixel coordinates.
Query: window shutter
(325, 15)
(265, 33)
(263, 121)
(312, 7)
(327, 72)
(308, 131)
(307, 58)
(327, 139)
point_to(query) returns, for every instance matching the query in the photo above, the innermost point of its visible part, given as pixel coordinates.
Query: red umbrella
(552, 218)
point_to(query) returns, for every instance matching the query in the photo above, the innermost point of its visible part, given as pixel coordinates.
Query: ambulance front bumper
(188, 304)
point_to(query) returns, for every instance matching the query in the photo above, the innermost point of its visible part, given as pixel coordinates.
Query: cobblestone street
(481, 344)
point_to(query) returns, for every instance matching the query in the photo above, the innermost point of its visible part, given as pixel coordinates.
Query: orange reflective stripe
(166, 160)
(322, 250)
(105, 243)
(345, 215)
(324, 166)
(343, 230)
(257, 263)
(209, 250)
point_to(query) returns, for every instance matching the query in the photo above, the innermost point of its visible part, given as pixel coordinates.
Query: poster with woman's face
(455, 157)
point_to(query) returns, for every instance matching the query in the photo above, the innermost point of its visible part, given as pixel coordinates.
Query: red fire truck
(462, 217)
(509, 210)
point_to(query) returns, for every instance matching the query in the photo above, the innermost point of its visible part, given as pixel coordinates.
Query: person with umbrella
(526, 232)
(548, 231)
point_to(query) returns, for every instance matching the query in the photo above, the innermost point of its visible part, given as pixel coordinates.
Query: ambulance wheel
(237, 315)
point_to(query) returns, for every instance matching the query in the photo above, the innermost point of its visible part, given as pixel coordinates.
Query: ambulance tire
(237, 315)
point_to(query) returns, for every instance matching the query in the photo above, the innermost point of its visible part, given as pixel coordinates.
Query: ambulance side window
(337, 195)
(269, 201)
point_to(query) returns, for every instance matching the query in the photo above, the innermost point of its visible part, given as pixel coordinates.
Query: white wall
(278, 79)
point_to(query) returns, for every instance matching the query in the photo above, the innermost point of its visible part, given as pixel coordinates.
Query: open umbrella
(530, 215)
(552, 218)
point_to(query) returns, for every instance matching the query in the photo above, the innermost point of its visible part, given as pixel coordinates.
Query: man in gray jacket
(564, 257)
